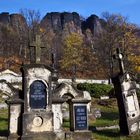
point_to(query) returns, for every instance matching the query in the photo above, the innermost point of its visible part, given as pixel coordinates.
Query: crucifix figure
(37, 45)
(119, 56)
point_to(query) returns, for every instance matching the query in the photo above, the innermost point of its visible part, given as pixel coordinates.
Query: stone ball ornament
(37, 121)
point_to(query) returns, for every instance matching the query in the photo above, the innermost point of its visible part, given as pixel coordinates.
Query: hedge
(95, 90)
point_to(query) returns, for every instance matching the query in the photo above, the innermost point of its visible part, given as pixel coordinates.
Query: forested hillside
(83, 47)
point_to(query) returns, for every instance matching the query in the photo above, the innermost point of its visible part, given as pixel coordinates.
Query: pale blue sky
(128, 8)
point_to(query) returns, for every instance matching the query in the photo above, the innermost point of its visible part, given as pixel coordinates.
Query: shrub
(95, 90)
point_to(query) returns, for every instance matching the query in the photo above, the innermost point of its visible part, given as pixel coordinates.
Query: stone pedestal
(85, 135)
(37, 122)
(57, 117)
(41, 136)
(129, 112)
(14, 125)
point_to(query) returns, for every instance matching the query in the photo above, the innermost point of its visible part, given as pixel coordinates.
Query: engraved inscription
(80, 117)
(37, 95)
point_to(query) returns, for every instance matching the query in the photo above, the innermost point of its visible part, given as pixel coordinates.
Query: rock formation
(56, 20)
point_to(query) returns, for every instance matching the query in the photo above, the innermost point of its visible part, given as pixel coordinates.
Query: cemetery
(69, 71)
(35, 111)
(45, 109)
(66, 77)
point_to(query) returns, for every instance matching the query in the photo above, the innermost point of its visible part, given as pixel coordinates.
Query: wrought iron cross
(37, 45)
(119, 56)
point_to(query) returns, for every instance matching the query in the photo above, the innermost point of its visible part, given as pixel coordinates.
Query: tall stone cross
(37, 45)
(119, 56)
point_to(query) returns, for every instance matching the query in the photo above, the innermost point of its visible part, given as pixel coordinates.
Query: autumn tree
(72, 52)
(133, 56)
(117, 32)
(90, 64)
(9, 46)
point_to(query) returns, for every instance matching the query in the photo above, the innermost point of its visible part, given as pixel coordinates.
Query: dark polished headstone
(80, 117)
(38, 95)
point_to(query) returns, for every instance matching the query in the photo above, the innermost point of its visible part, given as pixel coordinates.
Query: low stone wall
(84, 81)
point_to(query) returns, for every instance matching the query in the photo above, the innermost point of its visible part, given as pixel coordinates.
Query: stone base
(37, 122)
(81, 135)
(13, 137)
(43, 136)
(84, 135)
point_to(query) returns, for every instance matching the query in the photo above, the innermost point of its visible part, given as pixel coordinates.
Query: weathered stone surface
(7, 88)
(18, 22)
(4, 18)
(52, 20)
(70, 90)
(93, 23)
(15, 20)
(42, 136)
(34, 125)
(10, 77)
(57, 117)
(125, 90)
(14, 116)
(85, 135)
(56, 20)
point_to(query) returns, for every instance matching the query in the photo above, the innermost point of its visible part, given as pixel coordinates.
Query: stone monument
(78, 109)
(125, 90)
(36, 112)
(37, 117)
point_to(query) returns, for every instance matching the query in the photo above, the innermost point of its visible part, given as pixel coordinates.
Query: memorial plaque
(38, 95)
(80, 117)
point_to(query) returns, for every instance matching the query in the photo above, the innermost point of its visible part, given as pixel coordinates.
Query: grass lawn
(112, 134)
(109, 117)
(109, 112)
(3, 119)
(3, 122)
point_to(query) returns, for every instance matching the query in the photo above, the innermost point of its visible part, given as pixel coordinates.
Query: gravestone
(80, 112)
(125, 90)
(37, 119)
(38, 116)
(37, 113)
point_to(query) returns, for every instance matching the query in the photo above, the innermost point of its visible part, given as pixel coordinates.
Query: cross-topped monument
(125, 91)
(37, 45)
(119, 56)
